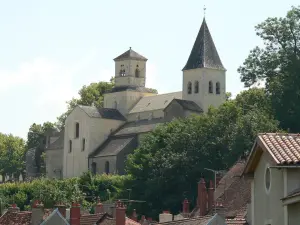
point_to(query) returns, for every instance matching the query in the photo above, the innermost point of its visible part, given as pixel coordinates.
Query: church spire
(204, 53)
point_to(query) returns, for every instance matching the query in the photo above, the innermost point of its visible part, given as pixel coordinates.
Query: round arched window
(268, 179)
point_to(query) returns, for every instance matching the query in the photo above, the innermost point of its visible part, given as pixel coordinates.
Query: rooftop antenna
(204, 10)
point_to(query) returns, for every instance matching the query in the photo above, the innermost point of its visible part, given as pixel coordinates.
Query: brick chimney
(37, 213)
(120, 213)
(185, 206)
(134, 215)
(75, 214)
(202, 197)
(99, 207)
(211, 192)
(61, 208)
(13, 208)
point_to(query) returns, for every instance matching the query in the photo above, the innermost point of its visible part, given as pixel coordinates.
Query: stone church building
(99, 139)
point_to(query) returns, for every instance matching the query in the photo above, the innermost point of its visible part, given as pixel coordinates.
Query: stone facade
(99, 139)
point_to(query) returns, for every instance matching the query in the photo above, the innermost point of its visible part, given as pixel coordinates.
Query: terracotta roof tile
(203, 220)
(236, 222)
(284, 148)
(89, 219)
(16, 218)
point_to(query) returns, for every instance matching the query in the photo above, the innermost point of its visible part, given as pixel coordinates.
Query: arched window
(94, 168)
(137, 71)
(189, 87)
(107, 167)
(196, 86)
(218, 88)
(210, 87)
(115, 104)
(70, 146)
(77, 130)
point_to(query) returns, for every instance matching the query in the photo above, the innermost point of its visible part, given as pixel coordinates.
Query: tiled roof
(130, 88)
(189, 105)
(90, 219)
(105, 113)
(141, 126)
(284, 148)
(130, 54)
(293, 193)
(112, 146)
(203, 220)
(234, 191)
(204, 53)
(151, 103)
(236, 222)
(16, 218)
(112, 221)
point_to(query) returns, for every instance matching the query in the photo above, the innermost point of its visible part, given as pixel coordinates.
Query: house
(99, 139)
(274, 167)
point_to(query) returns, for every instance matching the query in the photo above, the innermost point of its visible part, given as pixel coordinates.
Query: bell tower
(130, 69)
(204, 76)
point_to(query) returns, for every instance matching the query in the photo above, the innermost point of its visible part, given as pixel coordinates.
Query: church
(99, 139)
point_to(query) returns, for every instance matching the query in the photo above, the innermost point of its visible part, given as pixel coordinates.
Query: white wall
(203, 98)
(94, 130)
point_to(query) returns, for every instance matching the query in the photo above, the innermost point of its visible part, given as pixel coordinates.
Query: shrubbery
(84, 189)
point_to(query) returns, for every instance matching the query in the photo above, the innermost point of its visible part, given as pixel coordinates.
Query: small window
(122, 71)
(196, 87)
(94, 168)
(83, 144)
(218, 88)
(107, 167)
(137, 71)
(210, 87)
(77, 130)
(189, 87)
(70, 145)
(268, 179)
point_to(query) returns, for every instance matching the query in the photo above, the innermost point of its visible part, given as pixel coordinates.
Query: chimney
(75, 214)
(99, 207)
(37, 213)
(143, 218)
(134, 215)
(13, 208)
(61, 208)
(166, 216)
(211, 192)
(120, 213)
(185, 206)
(202, 197)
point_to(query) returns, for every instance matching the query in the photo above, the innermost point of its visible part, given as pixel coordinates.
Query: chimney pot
(61, 208)
(13, 208)
(120, 213)
(75, 214)
(211, 192)
(99, 207)
(134, 215)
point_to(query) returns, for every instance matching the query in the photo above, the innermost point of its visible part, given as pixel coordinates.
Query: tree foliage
(12, 151)
(172, 158)
(278, 65)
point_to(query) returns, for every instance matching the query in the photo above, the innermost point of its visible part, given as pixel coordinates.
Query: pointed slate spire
(204, 53)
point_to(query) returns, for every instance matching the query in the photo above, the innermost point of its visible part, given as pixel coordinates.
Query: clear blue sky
(50, 49)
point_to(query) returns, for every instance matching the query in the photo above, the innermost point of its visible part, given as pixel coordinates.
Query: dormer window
(210, 87)
(137, 71)
(77, 130)
(189, 87)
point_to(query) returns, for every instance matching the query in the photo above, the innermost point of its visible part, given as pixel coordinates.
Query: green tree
(278, 65)
(171, 159)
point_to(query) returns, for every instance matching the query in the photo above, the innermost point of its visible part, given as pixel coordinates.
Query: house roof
(284, 149)
(90, 219)
(204, 53)
(189, 105)
(104, 113)
(156, 102)
(203, 220)
(54, 212)
(234, 191)
(16, 218)
(137, 127)
(130, 54)
(292, 194)
(112, 221)
(130, 88)
(58, 143)
(112, 146)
